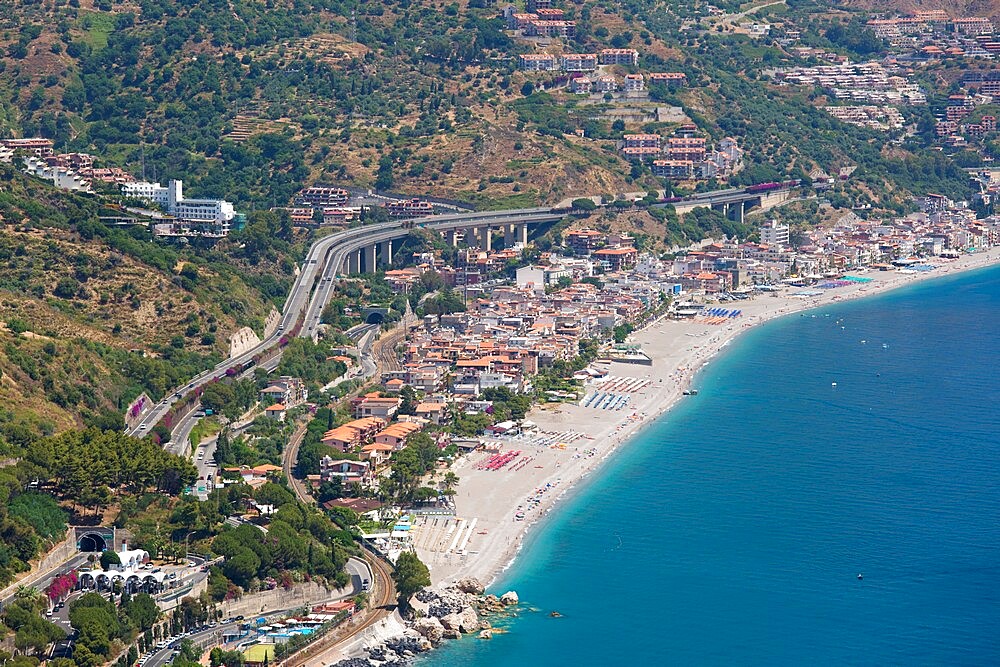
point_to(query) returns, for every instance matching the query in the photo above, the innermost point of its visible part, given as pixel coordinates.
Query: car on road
(142, 427)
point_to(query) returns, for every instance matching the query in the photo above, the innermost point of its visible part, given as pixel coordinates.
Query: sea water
(733, 530)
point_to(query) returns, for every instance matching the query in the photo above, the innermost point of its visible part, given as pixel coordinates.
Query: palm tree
(449, 483)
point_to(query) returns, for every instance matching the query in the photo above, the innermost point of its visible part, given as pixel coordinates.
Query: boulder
(486, 634)
(430, 628)
(470, 585)
(469, 620)
(509, 598)
(452, 621)
(490, 604)
(452, 634)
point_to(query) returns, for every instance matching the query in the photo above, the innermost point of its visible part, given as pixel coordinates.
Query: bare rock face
(486, 634)
(452, 634)
(452, 622)
(469, 620)
(509, 598)
(470, 585)
(430, 628)
(490, 604)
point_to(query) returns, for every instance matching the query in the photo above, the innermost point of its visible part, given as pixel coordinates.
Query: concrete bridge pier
(508, 235)
(369, 257)
(385, 253)
(486, 238)
(353, 262)
(451, 236)
(521, 233)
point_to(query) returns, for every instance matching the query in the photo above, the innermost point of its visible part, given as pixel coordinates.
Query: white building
(61, 177)
(171, 199)
(773, 234)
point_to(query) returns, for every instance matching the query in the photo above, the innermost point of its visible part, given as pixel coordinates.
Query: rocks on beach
(442, 614)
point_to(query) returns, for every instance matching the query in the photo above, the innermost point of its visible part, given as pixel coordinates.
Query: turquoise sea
(732, 531)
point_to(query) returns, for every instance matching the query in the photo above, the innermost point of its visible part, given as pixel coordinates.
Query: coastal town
(316, 315)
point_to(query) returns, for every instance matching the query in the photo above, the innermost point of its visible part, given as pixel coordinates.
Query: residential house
(397, 434)
(373, 405)
(348, 471)
(275, 411)
(435, 413)
(288, 390)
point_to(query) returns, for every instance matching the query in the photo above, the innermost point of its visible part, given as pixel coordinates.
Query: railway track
(383, 603)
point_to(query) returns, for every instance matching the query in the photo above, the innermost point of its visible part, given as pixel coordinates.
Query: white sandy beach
(486, 535)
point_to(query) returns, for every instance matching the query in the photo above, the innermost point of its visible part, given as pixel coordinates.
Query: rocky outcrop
(509, 598)
(465, 621)
(490, 604)
(470, 585)
(444, 614)
(430, 628)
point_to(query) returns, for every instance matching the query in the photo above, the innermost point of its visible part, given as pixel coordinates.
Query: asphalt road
(42, 581)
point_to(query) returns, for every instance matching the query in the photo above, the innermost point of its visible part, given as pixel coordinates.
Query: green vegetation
(298, 538)
(32, 633)
(312, 362)
(410, 576)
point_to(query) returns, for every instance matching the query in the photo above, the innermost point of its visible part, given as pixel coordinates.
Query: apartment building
(629, 57)
(318, 197)
(542, 28)
(537, 62)
(686, 148)
(667, 78)
(579, 62)
(643, 140)
(37, 146)
(634, 83)
(675, 169)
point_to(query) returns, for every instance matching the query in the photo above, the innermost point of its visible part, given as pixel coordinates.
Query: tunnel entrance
(93, 542)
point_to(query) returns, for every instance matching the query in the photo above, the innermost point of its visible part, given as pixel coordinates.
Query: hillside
(92, 316)
(954, 8)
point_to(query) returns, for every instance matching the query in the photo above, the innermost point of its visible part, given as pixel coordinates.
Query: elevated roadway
(347, 251)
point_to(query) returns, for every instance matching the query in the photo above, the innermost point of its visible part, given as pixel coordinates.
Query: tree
(584, 204)
(449, 483)
(410, 576)
(109, 558)
(409, 404)
(527, 89)
(142, 611)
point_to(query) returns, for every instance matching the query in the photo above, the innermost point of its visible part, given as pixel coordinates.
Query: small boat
(860, 576)
(690, 392)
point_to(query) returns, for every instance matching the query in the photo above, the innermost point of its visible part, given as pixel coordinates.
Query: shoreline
(485, 537)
